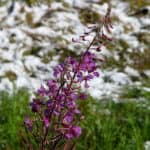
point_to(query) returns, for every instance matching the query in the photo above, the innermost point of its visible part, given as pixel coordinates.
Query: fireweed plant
(55, 114)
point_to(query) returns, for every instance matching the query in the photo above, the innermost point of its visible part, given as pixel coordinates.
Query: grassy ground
(108, 125)
(12, 110)
(115, 126)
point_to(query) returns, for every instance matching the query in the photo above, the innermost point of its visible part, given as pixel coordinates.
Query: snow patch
(132, 72)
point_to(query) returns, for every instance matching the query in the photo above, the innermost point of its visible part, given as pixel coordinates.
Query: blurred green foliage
(12, 110)
(120, 126)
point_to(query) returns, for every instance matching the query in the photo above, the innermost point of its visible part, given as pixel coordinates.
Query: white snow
(15, 39)
(147, 145)
(6, 85)
(99, 87)
(132, 72)
(147, 72)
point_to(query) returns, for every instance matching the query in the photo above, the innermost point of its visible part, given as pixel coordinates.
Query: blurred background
(35, 35)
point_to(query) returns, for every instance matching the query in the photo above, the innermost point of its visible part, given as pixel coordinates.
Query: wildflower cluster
(56, 114)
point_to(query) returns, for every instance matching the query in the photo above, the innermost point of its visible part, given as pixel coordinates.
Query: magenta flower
(55, 109)
(46, 122)
(28, 123)
(41, 91)
(76, 131)
(82, 96)
(73, 132)
(36, 105)
(68, 119)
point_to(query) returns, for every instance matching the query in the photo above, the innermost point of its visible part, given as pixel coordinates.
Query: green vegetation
(107, 125)
(120, 126)
(87, 16)
(12, 110)
(137, 4)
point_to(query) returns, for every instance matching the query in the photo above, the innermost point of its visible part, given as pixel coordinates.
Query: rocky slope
(34, 39)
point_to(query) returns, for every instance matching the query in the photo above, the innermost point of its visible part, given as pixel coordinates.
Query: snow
(6, 85)
(120, 78)
(15, 39)
(23, 82)
(3, 39)
(99, 87)
(132, 72)
(35, 62)
(56, 5)
(147, 72)
(147, 145)
(146, 89)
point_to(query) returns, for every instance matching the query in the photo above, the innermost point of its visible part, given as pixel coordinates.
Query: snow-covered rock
(30, 35)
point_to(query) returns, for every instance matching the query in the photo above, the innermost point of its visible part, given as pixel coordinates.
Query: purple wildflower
(56, 112)
(41, 91)
(36, 105)
(68, 118)
(28, 123)
(82, 96)
(46, 122)
(96, 74)
(73, 132)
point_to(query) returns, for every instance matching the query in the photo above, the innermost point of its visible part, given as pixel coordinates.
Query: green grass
(12, 110)
(107, 125)
(119, 126)
(116, 126)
